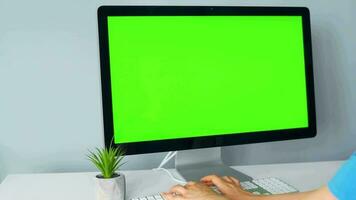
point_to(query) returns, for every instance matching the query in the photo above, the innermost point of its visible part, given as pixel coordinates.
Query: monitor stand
(192, 165)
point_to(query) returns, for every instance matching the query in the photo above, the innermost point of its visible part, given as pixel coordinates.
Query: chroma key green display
(192, 76)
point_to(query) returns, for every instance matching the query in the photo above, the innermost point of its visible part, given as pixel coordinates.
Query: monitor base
(192, 165)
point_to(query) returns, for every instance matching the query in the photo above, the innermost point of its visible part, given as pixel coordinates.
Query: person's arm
(343, 184)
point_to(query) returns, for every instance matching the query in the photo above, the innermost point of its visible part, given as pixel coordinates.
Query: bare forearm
(320, 194)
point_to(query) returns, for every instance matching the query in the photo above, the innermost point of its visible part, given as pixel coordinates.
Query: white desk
(80, 186)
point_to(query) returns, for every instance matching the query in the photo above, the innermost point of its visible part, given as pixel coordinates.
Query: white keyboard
(265, 186)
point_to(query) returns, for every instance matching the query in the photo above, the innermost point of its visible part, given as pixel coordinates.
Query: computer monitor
(189, 77)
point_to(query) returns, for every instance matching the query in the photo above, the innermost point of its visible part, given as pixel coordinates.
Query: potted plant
(109, 184)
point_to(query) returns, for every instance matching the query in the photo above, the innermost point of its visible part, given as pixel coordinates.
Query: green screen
(190, 76)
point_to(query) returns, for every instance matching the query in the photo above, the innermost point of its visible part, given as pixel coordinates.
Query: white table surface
(80, 186)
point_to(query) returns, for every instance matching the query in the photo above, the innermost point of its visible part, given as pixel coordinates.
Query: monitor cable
(166, 159)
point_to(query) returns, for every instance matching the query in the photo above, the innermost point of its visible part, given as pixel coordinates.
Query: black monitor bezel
(206, 141)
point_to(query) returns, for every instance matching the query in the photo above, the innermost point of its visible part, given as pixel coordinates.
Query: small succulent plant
(107, 160)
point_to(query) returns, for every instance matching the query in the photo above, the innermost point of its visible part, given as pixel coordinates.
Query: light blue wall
(50, 104)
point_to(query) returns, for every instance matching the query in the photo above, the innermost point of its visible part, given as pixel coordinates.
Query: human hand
(228, 186)
(192, 191)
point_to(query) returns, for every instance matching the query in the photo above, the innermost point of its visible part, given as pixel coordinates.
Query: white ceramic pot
(110, 189)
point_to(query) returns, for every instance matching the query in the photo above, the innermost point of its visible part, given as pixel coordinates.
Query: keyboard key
(158, 197)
